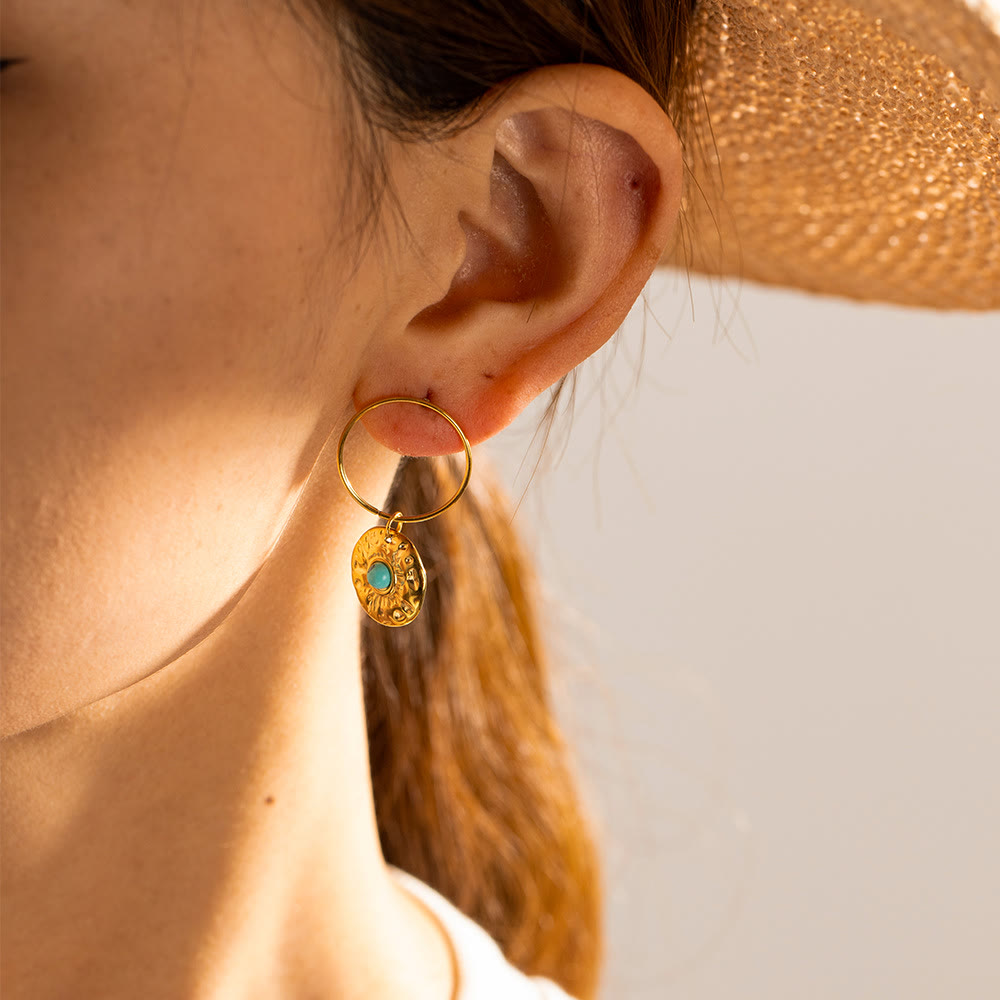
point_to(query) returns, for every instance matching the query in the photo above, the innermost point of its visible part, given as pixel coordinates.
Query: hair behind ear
(473, 791)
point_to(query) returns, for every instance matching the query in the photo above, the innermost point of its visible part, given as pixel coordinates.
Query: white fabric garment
(483, 972)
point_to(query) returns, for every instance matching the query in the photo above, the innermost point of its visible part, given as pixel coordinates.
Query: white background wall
(773, 554)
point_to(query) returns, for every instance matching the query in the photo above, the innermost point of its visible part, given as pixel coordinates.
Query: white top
(483, 972)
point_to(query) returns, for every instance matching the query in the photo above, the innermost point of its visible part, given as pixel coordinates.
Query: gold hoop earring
(386, 568)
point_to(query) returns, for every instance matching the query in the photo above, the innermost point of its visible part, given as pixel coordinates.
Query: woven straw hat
(844, 148)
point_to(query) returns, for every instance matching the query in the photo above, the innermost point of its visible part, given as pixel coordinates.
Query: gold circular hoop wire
(396, 516)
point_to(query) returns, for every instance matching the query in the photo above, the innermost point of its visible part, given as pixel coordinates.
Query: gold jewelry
(386, 568)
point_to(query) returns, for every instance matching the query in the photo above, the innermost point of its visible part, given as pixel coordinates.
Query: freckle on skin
(488, 375)
(269, 800)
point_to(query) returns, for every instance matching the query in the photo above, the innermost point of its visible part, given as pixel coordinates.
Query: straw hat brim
(847, 149)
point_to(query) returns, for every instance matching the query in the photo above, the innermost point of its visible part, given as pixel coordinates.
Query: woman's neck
(208, 832)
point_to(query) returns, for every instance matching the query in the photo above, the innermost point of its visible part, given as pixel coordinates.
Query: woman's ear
(567, 193)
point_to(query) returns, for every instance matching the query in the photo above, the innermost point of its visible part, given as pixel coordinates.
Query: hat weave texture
(849, 149)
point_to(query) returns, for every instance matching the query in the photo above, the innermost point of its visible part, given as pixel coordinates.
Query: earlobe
(577, 213)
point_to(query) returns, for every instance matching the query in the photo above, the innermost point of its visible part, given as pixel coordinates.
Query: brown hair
(473, 791)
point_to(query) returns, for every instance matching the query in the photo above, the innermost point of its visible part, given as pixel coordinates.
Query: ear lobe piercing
(386, 568)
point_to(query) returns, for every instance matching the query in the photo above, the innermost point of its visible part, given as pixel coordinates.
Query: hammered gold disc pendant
(388, 576)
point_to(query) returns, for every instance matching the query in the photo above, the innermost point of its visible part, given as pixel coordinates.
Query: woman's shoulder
(482, 971)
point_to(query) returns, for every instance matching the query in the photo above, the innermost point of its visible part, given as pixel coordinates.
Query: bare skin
(188, 324)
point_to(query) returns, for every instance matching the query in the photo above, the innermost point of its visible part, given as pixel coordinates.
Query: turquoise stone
(379, 576)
